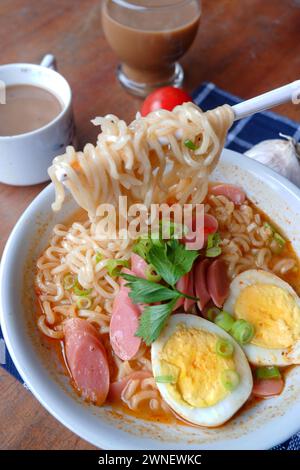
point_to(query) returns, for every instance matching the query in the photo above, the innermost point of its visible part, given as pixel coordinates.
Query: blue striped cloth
(242, 136)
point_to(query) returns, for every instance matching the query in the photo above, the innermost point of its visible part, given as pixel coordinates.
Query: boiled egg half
(200, 384)
(272, 306)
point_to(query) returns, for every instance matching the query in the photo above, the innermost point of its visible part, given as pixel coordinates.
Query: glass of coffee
(149, 36)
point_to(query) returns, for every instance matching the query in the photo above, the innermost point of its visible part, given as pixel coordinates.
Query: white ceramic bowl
(270, 422)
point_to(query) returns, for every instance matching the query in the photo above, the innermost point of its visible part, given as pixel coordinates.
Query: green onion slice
(83, 303)
(224, 348)
(279, 239)
(224, 320)
(79, 290)
(165, 379)
(271, 372)
(151, 274)
(269, 227)
(230, 379)
(213, 252)
(99, 257)
(114, 266)
(213, 249)
(276, 237)
(213, 239)
(142, 247)
(242, 331)
(69, 281)
(190, 144)
(212, 313)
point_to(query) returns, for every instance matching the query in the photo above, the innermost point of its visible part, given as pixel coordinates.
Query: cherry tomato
(164, 98)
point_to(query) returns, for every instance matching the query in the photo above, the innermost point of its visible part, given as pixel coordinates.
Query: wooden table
(244, 46)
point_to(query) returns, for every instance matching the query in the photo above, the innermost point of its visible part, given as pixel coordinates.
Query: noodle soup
(245, 245)
(148, 324)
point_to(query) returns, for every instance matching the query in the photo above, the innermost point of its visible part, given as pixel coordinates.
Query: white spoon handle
(290, 92)
(49, 61)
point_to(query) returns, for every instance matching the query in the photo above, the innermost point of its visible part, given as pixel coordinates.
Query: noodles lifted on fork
(147, 161)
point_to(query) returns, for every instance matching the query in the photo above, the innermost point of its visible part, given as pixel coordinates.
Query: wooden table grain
(245, 47)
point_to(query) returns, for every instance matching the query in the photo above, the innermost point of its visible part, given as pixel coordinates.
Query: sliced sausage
(75, 330)
(182, 286)
(87, 360)
(234, 193)
(218, 282)
(267, 387)
(188, 303)
(201, 290)
(78, 325)
(138, 265)
(124, 324)
(116, 388)
(210, 226)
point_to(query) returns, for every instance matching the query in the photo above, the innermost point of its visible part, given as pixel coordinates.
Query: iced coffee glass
(149, 36)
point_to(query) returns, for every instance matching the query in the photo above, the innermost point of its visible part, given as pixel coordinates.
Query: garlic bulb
(280, 155)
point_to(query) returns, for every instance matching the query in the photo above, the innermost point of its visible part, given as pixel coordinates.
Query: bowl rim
(104, 440)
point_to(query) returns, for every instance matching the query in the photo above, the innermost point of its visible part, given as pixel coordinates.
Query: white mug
(25, 158)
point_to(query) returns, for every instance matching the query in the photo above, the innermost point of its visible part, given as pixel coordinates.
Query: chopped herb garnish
(190, 144)
(79, 290)
(114, 266)
(144, 291)
(99, 257)
(153, 320)
(165, 379)
(69, 281)
(142, 247)
(276, 237)
(279, 239)
(213, 249)
(170, 260)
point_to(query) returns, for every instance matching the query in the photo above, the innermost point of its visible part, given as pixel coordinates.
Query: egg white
(258, 355)
(222, 411)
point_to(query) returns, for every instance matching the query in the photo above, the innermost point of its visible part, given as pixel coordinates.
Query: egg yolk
(190, 356)
(273, 312)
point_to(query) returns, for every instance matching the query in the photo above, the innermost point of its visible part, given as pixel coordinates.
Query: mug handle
(49, 61)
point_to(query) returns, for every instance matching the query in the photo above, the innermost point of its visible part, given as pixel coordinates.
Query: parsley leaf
(143, 291)
(159, 259)
(153, 320)
(213, 249)
(182, 258)
(172, 260)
